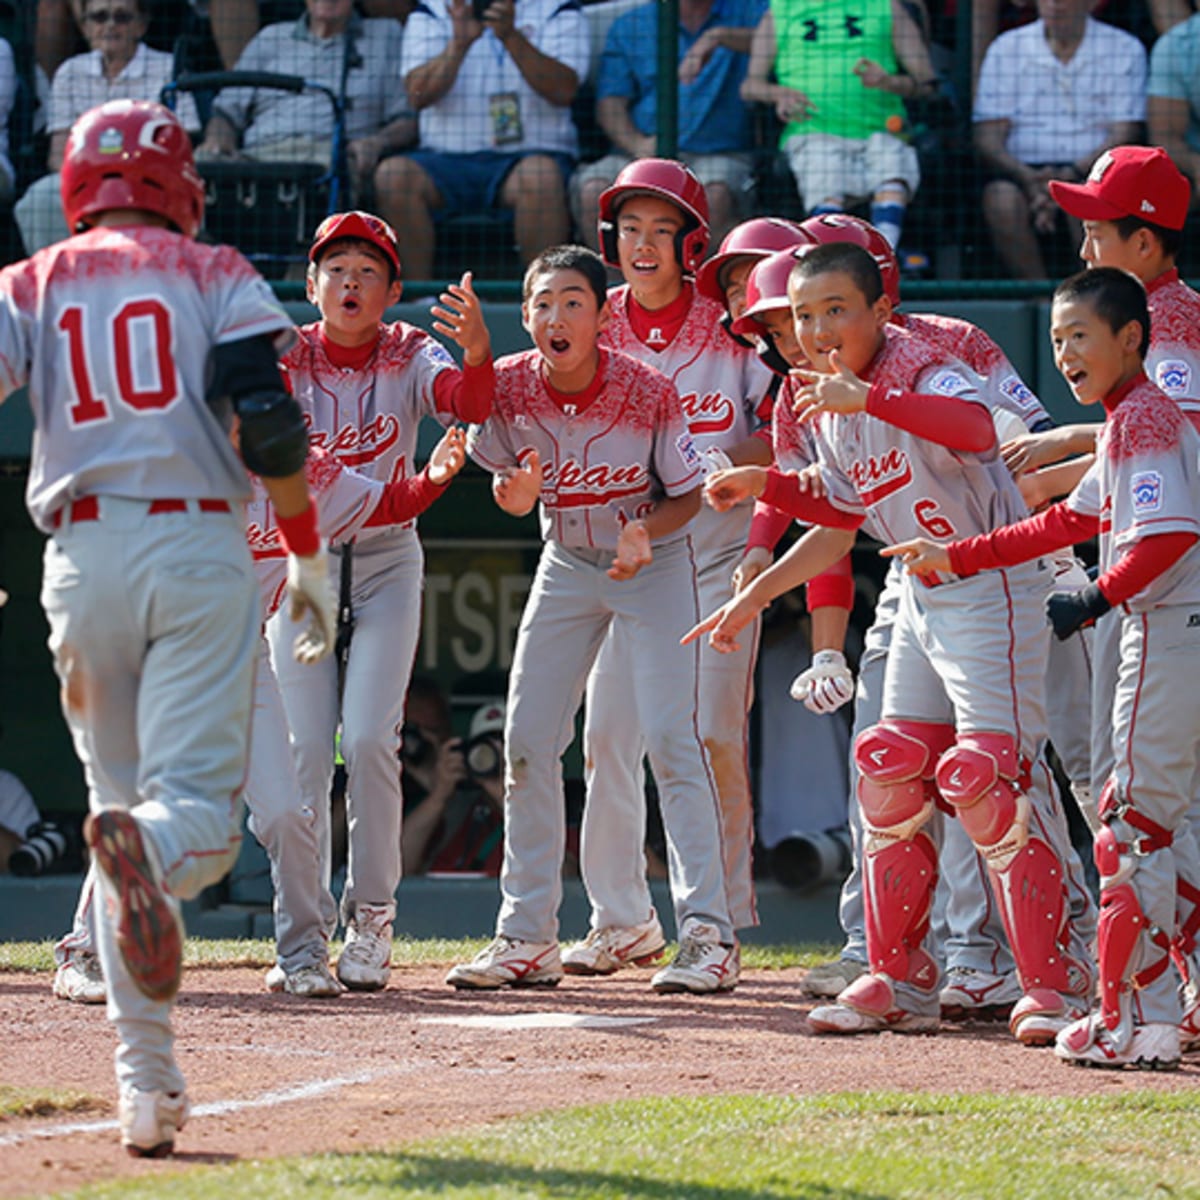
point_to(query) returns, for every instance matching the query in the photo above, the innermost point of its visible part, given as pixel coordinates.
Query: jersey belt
(87, 508)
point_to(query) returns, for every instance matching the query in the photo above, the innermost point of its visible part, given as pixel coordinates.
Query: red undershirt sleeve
(1145, 560)
(466, 394)
(767, 526)
(405, 499)
(833, 588)
(947, 420)
(782, 491)
(1049, 531)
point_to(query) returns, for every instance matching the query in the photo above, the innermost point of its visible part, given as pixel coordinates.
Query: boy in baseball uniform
(600, 439)
(284, 825)
(140, 346)
(654, 228)
(1142, 496)
(364, 386)
(905, 442)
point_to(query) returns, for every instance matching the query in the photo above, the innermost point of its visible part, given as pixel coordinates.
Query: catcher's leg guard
(895, 760)
(1124, 938)
(982, 777)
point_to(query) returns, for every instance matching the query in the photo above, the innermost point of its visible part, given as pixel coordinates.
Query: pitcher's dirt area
(273, 1075)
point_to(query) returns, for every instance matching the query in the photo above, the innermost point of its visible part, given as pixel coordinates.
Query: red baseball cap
(1129, 181)
(363, 226)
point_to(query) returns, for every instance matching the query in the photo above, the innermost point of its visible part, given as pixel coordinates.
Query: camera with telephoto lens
(415, 747)
(43, 846)
(484, 755)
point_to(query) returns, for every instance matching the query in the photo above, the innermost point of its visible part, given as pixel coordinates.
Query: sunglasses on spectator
(118, 16)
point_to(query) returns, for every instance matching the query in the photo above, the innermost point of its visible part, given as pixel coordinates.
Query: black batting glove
(1069, 611)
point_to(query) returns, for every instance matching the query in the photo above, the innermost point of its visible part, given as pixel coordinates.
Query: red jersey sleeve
(1049, 531)
(833, 588)
(1145, 560)
(466, 394)
(947, 420)
(405, 499)
(782, 491)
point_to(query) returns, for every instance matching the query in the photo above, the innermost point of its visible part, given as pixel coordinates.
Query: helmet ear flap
(608, 242)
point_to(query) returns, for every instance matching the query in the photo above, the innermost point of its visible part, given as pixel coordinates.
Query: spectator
(8, 93)
(715, 133)
(1173, 97)
(453, 788)
(117, 67)
(493, 95)
(331, 45)
(1052, 96)
(841, 73)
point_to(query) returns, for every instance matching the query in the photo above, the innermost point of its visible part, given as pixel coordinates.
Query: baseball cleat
(841, 1018)
(365, 963)
(605, 951)
(701, 964)
(1088, 1043)
(150, 1120)
(509, 962)
(978, 995)
(832, 978)
(1041, 1015)
(149, 928)
(1189, 1026)
(80, 979)
(310, 982)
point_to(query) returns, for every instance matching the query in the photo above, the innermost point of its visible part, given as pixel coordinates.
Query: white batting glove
(714, 459)
(309, 591)
(826, 685)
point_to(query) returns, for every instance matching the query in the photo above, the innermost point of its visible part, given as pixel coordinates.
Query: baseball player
(1142, 496)
(1134, 206)
(346, 502)
(601, 439)
(913, 448)
(978, 964)
(364, 386)
(654, 228)
(138, 345)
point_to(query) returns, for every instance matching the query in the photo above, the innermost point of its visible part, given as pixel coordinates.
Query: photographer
(453, 787)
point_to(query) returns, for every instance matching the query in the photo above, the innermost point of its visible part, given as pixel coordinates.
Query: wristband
(300, 534)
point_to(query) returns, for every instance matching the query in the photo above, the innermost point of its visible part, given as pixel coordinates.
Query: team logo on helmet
(110, 141)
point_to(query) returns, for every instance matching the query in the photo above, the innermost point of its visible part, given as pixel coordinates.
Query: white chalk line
(318, 1087)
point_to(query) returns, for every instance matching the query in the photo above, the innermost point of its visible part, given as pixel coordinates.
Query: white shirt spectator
(374, 93)
(79, 84)
(1061, 112)
(463, 120)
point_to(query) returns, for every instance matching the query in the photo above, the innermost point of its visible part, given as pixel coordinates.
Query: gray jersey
(1002, 388)
(1173, 360)
(368, 419)
(1146, 481)
(112, 331)
(721, 386)
(907, 486)
(603, 466)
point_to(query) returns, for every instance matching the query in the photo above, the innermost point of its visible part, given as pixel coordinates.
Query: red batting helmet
(131, 154)
(766, 289)
(841, 227)
(755, 239)
(671, 181)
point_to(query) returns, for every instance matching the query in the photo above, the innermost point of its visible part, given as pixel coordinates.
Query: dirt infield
(272, 1075)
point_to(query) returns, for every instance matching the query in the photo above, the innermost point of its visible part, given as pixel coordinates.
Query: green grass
(1134, 1145)
(38, 1102)
(260, 952)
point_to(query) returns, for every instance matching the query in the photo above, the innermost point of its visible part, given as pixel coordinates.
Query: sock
(888, 219)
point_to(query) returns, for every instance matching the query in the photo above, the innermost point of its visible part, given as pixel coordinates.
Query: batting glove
(309, 591)
(826, 685)
(714, 459)
(1069, 611)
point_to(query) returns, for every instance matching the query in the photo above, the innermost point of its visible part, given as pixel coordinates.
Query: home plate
(538, 1020)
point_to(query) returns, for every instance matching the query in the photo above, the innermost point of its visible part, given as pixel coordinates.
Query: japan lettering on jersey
(369, 418)
(344, 500)
(1173, 360)
(1001, 386)
(1146, 481)
(907, 486)
(721, 385)
(602, 467)
(112, 331)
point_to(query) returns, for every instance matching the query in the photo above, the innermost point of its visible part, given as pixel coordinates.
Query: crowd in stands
(517, 114)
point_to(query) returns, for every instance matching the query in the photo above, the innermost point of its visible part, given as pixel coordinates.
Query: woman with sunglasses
(119, 66)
